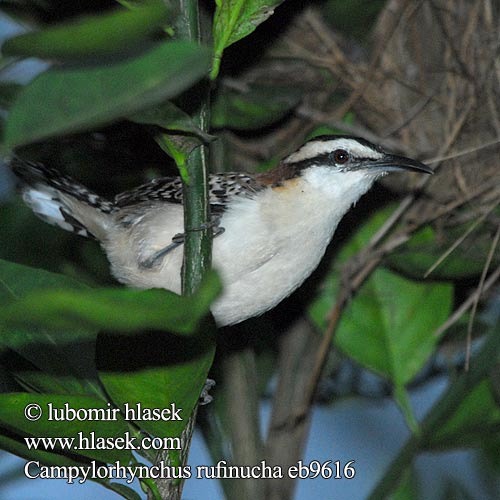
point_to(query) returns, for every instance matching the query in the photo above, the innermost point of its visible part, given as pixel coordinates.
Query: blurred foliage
(12, 418)
(102, 93)
(118, 309)
(61, 356)
(353, 17)
(408, 487)
(119, 31)
(253, 108)
(476, 421)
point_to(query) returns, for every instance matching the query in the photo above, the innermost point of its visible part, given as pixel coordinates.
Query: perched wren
(271, 229)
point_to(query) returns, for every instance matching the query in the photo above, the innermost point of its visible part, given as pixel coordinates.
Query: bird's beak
(394, 162)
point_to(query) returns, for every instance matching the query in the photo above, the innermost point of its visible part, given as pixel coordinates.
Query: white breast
(272, 244)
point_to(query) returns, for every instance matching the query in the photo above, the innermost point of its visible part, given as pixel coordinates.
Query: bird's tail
(61, 201)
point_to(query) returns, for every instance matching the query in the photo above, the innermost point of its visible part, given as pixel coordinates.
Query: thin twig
(466, 304)
(478, 295)
(464, 152)
(460, 240)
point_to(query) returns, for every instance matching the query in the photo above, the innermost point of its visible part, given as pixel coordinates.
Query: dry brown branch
(477, 295)
(466, 304)
(460, 240)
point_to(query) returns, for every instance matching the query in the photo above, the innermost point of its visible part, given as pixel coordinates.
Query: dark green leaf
(168, 116)
(17, 446)
(123, 490)
(17, 281)
(92, 36)
(258, 107)
(12, 417)
(235, 19)
(52, 366)
(78, 313)
(389, 325)
(22, 233)
(407, 488)
(161, 370)
(476, 420)
(73, 98)
(425, 248)
(8, 92)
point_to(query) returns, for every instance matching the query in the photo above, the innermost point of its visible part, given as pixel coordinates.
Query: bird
(271, 229)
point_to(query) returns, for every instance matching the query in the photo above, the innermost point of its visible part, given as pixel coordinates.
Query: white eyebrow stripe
(316, 148)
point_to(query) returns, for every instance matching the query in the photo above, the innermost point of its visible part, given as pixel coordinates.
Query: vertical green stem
(198, 236)
(198, 241)
(197, 244)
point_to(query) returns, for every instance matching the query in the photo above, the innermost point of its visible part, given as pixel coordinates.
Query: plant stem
(197, 234)
(481, 364)
(198, 237)
(197, 243)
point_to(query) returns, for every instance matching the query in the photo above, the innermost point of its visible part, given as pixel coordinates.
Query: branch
(297, 351)
(198, 236)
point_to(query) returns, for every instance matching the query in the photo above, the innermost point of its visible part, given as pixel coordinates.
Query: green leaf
(17, 284)
(425, 247)
(170, 117)
(258, 107)
(323, 302)
(17, 281)
(52, 366)
(408, 487)
(122, 490)
(92, 36)
(68, 99)
(76, 314)
(8, 92)
(161, 370)
(235, 19)
(17, 446)
(402, 398)
(12, 418)
(476, 421)
(389, 325)
(21, 232)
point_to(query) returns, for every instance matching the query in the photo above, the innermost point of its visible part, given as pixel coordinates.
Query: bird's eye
(340, 156)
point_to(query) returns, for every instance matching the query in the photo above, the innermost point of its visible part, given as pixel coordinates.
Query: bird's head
(346, 154)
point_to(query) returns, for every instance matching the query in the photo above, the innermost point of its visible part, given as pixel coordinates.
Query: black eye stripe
(321, 159)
